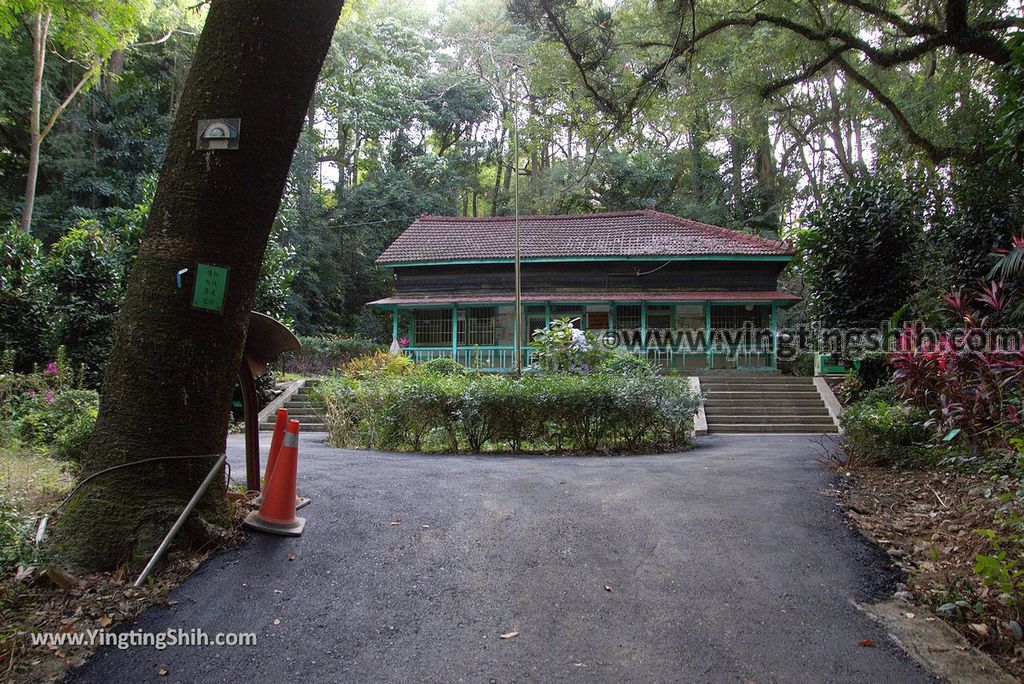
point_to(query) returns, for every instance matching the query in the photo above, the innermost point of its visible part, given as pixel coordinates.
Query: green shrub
(859, 251)
(443, 366)
(341, 408)
(880, 431)
(60, 421)
(873, 370)
(627, 363)
(379, 364)
(72, 441)
(43, 416)
(83, 276)
(22, 317)
(801, 364)
(598, 412)
(517, 414)
(887, 393)
(321, 355)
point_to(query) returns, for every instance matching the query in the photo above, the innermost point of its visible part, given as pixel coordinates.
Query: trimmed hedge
(581, 413)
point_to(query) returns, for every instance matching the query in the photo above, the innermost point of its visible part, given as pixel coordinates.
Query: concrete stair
(751, 403)
(302, 407)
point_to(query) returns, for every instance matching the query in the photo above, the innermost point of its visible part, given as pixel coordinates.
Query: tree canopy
(747, 116)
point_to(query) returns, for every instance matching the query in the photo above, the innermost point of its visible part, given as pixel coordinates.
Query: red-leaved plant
(969, 390)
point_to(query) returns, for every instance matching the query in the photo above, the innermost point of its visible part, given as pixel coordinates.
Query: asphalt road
(725, 563)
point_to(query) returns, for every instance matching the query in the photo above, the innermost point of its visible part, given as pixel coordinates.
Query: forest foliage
(779, 120)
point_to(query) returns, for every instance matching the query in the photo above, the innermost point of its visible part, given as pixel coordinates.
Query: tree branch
(772, 87)
(908, 28)
(935, 152)
(553, 21)
(163, 39)
(90, 74)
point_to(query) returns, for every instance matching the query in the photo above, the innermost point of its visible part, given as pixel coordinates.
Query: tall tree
(90, 33)
(168, 382)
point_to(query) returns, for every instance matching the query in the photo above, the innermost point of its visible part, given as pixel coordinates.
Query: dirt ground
(926, 520)
(37, 600)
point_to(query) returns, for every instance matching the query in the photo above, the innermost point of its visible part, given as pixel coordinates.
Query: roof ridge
(532, 217)
(727, 232)
(622, 233)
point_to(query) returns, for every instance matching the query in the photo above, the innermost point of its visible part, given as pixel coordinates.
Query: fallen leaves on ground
(926, 521)
(867, 643)
(52, 600)
(510, 635)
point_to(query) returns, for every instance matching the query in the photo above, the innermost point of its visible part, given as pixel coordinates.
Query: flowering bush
(47, 409)
(561, 347)
(973, 394)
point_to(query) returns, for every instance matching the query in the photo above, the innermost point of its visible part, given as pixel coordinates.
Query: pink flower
(49, 396)
(403, 342)
(31, 393)
(51, 368)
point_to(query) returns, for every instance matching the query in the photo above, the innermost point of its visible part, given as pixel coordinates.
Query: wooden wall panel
(589, 276)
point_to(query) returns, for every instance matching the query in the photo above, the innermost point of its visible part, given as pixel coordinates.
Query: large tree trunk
(169, 378)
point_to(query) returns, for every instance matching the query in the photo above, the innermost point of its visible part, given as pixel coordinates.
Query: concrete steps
(755, 407)
(764, 404)
(302, 407)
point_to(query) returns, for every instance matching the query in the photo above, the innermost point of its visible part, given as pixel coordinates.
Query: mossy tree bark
(168, 382)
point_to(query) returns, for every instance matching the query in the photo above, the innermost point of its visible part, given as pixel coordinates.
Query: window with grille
(627, 317)
(536, 319)
(476, 327)
(479, 327)
(433, 328)
(659, 317)
(735, 317)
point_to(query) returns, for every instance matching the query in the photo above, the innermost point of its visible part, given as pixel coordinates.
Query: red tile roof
(621, 234)
(591, 297)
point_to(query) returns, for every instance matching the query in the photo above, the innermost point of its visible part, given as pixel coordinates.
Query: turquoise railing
(485, 358)
(502, 358)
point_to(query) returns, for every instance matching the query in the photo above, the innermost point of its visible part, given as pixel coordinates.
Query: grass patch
(33, 479)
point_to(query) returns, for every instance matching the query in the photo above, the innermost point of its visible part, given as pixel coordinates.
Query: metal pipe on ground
(217, 467)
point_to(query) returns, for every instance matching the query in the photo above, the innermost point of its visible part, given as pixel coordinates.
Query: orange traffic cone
(277, 513)
(275, 447)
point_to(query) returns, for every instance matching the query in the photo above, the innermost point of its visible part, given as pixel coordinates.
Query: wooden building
(656, 282)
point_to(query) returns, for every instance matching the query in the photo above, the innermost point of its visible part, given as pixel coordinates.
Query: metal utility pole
(515, 203)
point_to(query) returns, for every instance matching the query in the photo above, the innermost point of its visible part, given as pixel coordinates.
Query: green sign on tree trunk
(211, 283)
